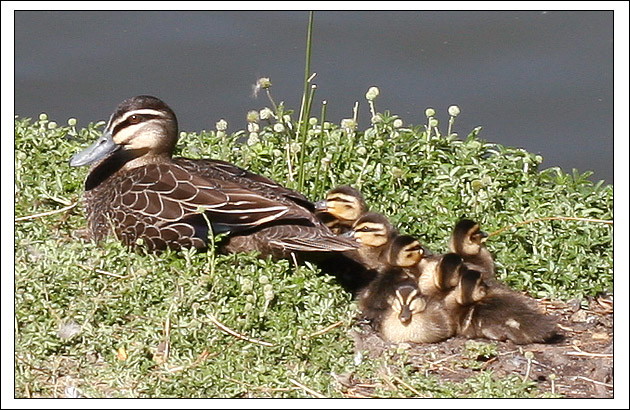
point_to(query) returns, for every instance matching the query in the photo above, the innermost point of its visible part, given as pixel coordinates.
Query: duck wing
(223, 170)
(169, 194)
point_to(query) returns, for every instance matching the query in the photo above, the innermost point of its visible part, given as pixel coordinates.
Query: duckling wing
(169, 194)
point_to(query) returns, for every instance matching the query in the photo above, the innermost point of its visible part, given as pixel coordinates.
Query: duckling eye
(134, 119)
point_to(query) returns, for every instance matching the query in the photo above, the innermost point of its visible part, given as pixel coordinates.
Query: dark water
(538, 80)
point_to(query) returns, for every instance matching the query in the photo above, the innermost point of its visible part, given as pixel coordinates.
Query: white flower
(453, 111)
(252, 116)
(253, 127)
(372, 93)
(348, 123)
(253, 139)
(221, 125)
(266, 114)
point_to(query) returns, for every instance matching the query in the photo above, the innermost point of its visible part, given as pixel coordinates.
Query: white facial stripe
(341, 198)
(144, 111)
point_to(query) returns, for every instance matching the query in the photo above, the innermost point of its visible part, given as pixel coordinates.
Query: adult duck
(138, 191)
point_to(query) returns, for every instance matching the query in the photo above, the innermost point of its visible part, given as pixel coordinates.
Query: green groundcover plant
(101, 320)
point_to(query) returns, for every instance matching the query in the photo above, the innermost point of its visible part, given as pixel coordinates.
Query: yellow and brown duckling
(373, 233)
(455, 301)
(468, 241)
(414, 318)
(406, 313)
(341, 208)
(137, 189)
(499, 313)
(435, 274)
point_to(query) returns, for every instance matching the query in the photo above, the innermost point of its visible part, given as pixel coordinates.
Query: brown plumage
(373, 232)
(396, 304)
(341, 208)
(137, 189)
(499, 313)
(468, 241)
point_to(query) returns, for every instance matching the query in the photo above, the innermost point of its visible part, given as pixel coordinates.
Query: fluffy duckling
(373, 232)
(468, 241)
(341, 208)
(439, 274)
(415, 308)
(411, 317)
(402, 311)
(405, 251)
(498, 313)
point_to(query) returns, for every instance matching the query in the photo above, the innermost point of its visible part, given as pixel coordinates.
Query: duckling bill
(468, 241)
(136, 189)
(341, 208)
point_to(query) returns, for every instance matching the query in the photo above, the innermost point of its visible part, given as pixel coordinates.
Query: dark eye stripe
(127, 122)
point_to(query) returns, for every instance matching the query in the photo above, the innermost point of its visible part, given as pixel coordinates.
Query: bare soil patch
(582, 360)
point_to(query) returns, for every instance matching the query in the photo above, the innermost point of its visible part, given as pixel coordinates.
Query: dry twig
(308, 389)
(324, 330)
(56, 211)
(586, 354)
(236, 334)
(550, 218)
(594, 381)
(581, 352)
(414, 391)
(203, 356)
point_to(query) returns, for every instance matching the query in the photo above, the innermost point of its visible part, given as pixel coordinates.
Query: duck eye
(134, 119)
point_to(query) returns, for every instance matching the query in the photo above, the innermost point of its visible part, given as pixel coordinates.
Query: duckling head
(405, 251)
(372, 230)
(406, 302)
(471, 288)
(344, 202)
(142, 126)
(448, 271)
(467, 238)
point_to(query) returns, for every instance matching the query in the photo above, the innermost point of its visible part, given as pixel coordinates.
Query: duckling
(396, 304)
(356, 269)
(373, 232)
(401, 254)
(412, 317)
(468, 241)
(439, 274)
(138, 191)
(498, 313)
(405, 251)
(341, 208)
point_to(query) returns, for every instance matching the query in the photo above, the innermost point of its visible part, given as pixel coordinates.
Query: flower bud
(453, 111)
(221, 125)
(372, 93)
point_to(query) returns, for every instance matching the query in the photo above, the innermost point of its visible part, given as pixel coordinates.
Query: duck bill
(405, 315)
(321, 206)
(103, 147)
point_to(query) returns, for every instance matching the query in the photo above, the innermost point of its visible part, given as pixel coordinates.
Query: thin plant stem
(273, 103)
(56, 211)
(320, 148)
(451, 121)
(304, 133)
(211, 250)
(305, 95)
(550, 218)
